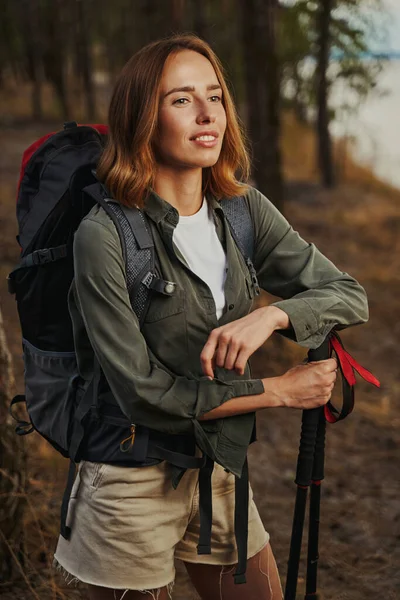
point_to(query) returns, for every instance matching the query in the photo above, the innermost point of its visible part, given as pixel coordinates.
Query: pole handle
(309, 427)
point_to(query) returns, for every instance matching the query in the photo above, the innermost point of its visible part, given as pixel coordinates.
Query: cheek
(172, 126)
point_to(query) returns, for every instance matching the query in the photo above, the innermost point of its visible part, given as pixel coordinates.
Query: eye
(219, 97)
(178, 101)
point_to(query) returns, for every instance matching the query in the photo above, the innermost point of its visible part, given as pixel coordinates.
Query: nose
(206, 113)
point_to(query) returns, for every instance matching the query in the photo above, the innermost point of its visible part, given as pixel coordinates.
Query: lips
(200, 133)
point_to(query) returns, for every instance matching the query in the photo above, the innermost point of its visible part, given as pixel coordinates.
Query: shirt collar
(158, 209)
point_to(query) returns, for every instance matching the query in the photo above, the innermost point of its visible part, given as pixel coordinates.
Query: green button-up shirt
(155, 373)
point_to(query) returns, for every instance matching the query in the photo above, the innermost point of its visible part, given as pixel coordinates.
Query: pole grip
(318, 473)
(309, 427)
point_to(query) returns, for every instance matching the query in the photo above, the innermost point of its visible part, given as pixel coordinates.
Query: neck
(182, 189)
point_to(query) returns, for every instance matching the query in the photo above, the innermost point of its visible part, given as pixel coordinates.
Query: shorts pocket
(96, 476)
(91, 474)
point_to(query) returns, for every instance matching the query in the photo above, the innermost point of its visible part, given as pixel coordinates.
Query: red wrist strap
(347, 365)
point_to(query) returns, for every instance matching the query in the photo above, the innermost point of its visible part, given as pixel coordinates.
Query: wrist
(278, 317)
(273, 396)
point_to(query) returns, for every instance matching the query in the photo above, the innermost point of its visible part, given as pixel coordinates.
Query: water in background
(376, 125)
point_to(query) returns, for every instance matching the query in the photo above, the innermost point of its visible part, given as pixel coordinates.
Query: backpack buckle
(152, 282)
(147, 279)
(42, 256)
(253, 275)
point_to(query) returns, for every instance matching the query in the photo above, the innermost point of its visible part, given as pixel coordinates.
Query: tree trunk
(262, 90)
(30, 21)
(200, 25)
(56, 31)
(12, 474)
(85, 65)
(154, 24)
(178, 15)
(300, 109)
(106, 33)
(325, 160)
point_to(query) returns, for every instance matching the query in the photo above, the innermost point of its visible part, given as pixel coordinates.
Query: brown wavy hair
(127, 165)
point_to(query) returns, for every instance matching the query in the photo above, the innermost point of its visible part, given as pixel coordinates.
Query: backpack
(56, 189)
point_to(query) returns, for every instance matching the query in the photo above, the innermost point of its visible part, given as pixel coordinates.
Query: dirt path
(360, 521)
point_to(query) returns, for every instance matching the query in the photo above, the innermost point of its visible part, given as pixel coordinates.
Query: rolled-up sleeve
(147, 393)
(316, 295)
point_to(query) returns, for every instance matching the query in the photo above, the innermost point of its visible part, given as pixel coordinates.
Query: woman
(175, 146)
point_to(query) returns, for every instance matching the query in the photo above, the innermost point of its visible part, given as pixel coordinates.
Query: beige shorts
(128, 524)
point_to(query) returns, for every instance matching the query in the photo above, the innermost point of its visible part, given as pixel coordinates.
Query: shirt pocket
(163, 306)
(165, 329)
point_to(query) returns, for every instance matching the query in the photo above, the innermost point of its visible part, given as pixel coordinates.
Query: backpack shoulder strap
(237, 213)
(137, 248)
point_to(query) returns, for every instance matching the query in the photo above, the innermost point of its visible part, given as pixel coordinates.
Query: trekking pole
(310, 425)
(315, 501)
(310, 464)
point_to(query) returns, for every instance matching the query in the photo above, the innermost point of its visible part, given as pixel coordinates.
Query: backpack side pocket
(51, 380)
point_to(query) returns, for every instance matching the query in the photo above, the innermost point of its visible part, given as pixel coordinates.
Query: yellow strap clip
(124, 446)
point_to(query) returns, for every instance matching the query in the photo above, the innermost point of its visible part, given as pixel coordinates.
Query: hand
(307, 385)
(231, 345)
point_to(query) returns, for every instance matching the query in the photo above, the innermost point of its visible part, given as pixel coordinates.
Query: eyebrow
(190, 88)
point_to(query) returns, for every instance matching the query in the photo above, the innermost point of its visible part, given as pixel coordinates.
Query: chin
(199, 165)
(204, 162)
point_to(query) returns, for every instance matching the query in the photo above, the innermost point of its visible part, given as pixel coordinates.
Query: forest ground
(358, 227)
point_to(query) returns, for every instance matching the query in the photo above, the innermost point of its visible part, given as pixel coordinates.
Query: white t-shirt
(196, 238)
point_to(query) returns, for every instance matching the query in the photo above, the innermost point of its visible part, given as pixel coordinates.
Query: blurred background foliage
(277, 55)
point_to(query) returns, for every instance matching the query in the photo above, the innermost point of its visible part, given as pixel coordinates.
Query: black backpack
(57, 188)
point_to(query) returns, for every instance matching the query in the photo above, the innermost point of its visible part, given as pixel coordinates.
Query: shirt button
(169, 288)
(231, 306)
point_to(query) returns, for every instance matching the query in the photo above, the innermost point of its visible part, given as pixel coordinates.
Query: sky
(393, 43)
(387, 24)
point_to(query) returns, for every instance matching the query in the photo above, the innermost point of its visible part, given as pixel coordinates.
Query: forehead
(187, 68)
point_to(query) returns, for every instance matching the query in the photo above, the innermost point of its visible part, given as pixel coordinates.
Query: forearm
(245, 404)
(316, 295)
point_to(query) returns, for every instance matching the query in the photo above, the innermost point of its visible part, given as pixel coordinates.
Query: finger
(325, 366)
(213, 366)
(330, 364)
(241, 361)
(332, 379)
(213, 363)
(221, 352)
(232, 355)
(331, 376)
(207, 355)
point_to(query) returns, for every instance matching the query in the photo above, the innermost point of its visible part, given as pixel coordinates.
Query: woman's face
(190, 107)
